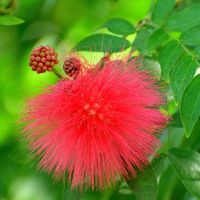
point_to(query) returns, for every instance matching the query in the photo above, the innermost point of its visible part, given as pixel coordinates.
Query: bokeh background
(61, 23)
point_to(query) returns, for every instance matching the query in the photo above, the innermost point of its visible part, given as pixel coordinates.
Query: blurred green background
(60, 23)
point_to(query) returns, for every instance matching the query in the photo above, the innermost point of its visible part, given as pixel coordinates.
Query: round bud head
(72, 67)
(43, 59)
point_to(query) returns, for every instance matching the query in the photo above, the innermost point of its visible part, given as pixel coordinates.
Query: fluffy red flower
(98, 127)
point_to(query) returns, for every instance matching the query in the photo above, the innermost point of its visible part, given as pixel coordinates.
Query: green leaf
(193, 142)
(145, 185)
(102, 42)
(184, 19)
(196, 52)
(182, 74)
(8, 20)
(191, 36)
(190, 105)
(119, 26)
(151, 65)
(168, 56)
(186, 164)
(141, 40)
(161, 11)
(157, 38)
(41, 29)
(176, 120)
(69, 194)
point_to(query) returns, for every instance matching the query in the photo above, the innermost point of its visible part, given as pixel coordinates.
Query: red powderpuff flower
(98, 127)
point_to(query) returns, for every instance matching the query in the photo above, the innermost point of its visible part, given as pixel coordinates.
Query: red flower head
(98, 127)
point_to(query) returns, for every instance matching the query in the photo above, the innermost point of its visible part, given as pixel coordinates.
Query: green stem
(9, 8)
(173, 38)
(103, 60)
(57, 73)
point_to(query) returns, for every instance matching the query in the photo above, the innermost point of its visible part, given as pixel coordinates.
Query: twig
(57, 73)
